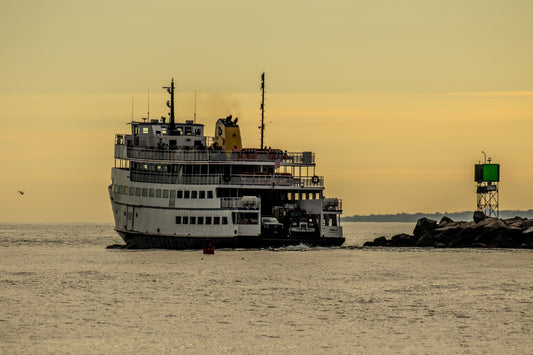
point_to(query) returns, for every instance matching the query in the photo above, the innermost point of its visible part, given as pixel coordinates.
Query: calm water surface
(61, 291)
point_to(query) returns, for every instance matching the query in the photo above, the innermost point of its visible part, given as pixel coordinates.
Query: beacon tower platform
(487, 178)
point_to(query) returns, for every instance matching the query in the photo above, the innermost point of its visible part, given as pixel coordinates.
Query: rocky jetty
(482, 232)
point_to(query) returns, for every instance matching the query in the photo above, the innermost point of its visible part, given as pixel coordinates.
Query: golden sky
(396, 98)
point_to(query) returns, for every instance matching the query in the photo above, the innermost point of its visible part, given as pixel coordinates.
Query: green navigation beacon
(487, 178)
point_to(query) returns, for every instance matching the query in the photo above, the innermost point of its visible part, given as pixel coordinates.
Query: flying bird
(21, 192)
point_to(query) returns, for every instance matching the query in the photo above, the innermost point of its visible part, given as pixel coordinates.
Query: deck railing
(218, 179)
(332, 204)
(123, 151)
(246, 202)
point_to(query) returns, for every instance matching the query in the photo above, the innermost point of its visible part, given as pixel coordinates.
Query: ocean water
(61, 291)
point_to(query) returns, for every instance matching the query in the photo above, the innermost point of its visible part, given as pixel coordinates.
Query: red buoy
(209, 247)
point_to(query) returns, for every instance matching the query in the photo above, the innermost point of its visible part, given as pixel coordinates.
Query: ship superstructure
(174, 187)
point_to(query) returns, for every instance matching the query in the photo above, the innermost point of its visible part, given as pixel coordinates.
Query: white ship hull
(135, 240)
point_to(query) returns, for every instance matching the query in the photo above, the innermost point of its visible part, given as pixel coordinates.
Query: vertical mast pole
(172, 119)
(170, 90)
(262, 108)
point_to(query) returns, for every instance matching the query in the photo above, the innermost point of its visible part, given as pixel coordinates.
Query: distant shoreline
(413, 217)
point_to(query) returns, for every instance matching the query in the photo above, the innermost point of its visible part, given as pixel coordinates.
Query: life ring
(226, 178)
(315, 180)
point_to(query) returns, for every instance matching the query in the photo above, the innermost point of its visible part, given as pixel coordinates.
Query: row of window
(187, 131)
(201, 220)
(161, 193)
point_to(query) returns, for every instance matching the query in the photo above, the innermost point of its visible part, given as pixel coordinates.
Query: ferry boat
(173, 187)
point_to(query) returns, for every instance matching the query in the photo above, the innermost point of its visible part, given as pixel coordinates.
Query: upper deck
(125, 150)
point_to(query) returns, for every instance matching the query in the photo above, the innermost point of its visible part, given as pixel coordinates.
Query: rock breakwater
(482, 232)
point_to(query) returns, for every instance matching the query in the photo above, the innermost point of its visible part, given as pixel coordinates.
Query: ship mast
(262, 127)
(170, 105)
